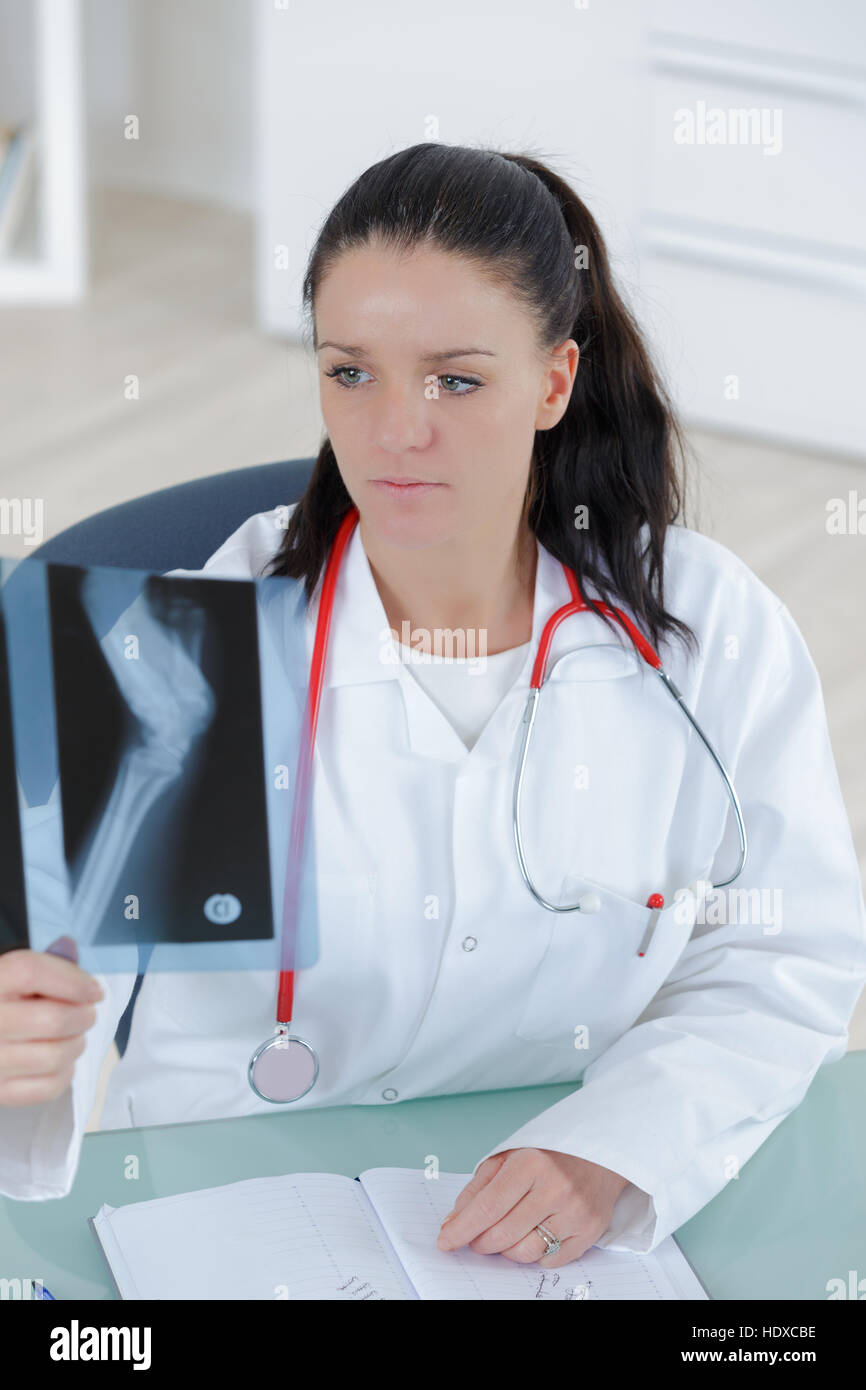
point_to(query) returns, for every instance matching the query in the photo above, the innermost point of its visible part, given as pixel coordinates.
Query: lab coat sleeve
(729, 1045)
(40, 1145)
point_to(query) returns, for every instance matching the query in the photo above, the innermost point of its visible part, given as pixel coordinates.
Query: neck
(472, 585)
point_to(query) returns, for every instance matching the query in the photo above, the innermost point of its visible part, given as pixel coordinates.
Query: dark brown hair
(617, 446)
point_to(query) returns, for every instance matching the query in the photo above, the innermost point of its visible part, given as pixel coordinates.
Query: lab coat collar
(361, 650)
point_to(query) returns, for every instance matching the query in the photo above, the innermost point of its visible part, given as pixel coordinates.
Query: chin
(406, 536)
(415, 529)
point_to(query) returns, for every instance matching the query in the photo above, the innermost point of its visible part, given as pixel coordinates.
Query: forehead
(374, 294)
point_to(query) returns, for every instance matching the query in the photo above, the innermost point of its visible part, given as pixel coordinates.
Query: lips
(403, 487)
(405, 482)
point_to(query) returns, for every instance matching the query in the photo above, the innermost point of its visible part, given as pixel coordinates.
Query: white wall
(184, 67)
(337, 96)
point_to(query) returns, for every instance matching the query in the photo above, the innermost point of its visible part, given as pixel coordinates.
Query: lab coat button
(389, 1093)
(469, 943)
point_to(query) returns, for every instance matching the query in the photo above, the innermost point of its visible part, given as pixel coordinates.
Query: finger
(35, 1090)
(571, 1249)
(518, 1225)
(479, 1179)
(31, 1020)
(488, 1205)
(39, 1058)
(532, 1249)
(37, 972)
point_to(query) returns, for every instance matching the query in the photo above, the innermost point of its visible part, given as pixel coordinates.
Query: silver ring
(552, 1242)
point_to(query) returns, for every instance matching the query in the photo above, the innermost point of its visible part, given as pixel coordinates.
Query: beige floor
(172, 305)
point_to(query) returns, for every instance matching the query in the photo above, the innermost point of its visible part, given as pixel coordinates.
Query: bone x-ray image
(13, 904)
(161, 760)
(155, 710)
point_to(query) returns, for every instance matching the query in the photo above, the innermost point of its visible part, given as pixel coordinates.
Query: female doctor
(494, 426)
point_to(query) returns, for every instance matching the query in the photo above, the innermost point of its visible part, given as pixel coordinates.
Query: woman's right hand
(46, 1007)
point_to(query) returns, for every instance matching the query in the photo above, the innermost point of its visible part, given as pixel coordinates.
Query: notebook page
(303, 1235)
(412, 1207)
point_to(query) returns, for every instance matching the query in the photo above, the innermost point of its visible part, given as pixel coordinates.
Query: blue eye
(471, 382)
(338, 373)
(465, 380)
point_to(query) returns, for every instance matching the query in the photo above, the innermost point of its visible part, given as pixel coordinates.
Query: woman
(492, 414)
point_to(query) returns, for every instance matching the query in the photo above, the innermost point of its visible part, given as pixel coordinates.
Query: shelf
(49, 261)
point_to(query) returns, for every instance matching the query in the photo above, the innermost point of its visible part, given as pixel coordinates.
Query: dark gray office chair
(178, 527)
(175, 528)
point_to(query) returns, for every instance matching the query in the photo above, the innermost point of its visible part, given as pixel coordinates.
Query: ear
(557, 384)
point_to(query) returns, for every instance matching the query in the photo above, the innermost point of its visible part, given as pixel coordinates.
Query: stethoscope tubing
(285, 997)
(579, 604)
(306, 752)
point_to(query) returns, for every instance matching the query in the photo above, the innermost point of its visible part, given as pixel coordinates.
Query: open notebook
(323, 1236)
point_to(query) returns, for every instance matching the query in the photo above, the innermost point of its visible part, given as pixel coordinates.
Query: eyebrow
(353, 350)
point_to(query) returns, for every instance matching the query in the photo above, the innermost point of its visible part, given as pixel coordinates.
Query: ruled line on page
(305, 1235)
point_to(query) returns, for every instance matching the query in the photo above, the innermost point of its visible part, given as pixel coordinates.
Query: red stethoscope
(285, 1067)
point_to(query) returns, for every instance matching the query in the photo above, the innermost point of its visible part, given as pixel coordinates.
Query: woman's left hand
(516, 1190)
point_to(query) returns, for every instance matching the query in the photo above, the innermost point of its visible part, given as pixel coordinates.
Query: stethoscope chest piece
(284, 1068)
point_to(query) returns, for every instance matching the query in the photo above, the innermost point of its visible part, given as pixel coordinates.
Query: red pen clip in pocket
(655, 902)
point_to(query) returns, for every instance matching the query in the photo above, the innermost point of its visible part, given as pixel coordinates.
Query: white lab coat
(439, 973)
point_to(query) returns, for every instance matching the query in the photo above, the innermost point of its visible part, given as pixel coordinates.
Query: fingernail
(64, 946)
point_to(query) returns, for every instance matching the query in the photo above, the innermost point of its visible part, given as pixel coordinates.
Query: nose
(405, 420)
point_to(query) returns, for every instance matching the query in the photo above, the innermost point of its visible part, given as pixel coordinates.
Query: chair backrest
(178, 527)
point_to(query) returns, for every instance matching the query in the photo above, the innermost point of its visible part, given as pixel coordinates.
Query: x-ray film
(13, 904)
(149, 742)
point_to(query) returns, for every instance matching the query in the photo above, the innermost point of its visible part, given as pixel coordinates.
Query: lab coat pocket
(592, 983)
(243, 1002)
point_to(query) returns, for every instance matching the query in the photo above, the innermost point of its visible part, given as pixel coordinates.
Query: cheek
(495, 460)
(343, 426)
(507, 425)
(352, 448)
